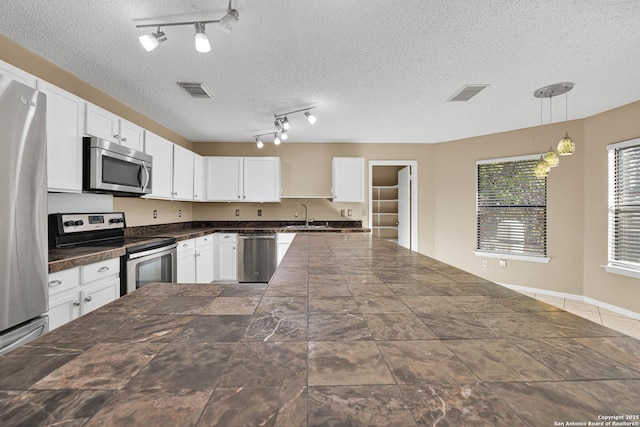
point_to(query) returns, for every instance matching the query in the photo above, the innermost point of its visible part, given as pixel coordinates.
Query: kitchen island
(351, 330)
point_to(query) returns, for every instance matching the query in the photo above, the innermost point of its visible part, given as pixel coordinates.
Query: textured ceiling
(378, 71)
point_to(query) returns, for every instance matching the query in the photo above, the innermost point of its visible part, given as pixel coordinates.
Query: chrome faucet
(306, 217)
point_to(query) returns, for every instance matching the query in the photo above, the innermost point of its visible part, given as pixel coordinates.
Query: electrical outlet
(237, 212)
(349, 212)
(485, 263)
(179, 213)
(155, 213)
(341, 212)
(503, 263)
(259, 212)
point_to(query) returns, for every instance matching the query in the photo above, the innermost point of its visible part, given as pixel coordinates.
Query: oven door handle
(152, 251)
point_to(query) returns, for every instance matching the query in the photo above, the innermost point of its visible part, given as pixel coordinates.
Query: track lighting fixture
(282, 126)
(153, 40)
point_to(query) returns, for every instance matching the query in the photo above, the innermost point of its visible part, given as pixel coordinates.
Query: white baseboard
(574, 297)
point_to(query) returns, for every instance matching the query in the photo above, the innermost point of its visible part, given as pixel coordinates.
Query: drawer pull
(184, 245)
(103, 269)
(88, 299)
(76, 303)
(55, 283)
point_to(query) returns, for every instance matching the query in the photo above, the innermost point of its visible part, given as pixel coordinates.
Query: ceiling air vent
(466, 92)
(196, 90)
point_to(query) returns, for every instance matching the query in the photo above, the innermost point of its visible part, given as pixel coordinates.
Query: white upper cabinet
(162, 165)
(108, 126)
(64, 139)
(131, 136)
(182, 173)
(17, 74)
(348, 179)
(261, 179)
(224, 179)
(243, 179)
(198, 178)
(102, 123)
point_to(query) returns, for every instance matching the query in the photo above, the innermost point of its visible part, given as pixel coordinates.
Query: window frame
(527, 257)
(621, 267)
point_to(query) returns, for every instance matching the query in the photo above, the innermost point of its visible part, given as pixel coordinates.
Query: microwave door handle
(148, 178)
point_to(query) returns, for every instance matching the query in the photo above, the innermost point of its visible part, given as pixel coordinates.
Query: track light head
(153, 40)
(285, 123)
(278, 124)
(259, 142)
(310, 117)
(283, 135)
(201, 39)
(276, 138)
(227, 21)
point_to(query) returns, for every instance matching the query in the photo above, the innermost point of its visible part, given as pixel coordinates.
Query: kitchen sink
(307, 227)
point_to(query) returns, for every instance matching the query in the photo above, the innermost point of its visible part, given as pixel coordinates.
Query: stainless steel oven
(147, 259)
(112, 168)
(144, 266)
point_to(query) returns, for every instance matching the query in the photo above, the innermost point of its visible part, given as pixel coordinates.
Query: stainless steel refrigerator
(23, 214)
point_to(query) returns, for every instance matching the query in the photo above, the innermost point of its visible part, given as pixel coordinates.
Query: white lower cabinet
(204, 259)
(227, 257)
(195, 260)
(80, 290)
(186, 261)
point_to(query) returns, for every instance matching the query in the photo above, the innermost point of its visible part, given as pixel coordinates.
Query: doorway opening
(393, 201)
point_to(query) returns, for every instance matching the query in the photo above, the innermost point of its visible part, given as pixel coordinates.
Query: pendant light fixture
(542, 167)
(566, 146)
(551, 159)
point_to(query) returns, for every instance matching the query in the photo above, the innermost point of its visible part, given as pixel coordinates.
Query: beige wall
(306, 171)
(455, 210)
(139, 211)
(612, 126)
(24, 59)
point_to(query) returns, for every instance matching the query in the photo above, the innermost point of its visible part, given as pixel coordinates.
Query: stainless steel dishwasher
(257, 257)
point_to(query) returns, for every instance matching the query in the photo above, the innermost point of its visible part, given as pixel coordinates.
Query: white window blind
(624, 204)
(511, 208)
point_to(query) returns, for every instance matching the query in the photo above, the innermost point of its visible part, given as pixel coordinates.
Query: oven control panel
(73, 223)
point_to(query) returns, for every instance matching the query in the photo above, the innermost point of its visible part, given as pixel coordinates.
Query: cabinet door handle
(124, 139)
(55, 283)
(76, 303)
(103, 269)
(116, 136)
(88, 299)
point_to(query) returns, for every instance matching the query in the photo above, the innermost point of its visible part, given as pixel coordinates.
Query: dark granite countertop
(351, 330)
(62, 259)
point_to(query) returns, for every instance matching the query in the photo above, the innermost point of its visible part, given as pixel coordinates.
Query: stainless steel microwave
(113, 168)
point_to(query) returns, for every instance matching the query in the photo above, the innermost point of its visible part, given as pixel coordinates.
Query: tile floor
(351, 331)
(602, 316)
